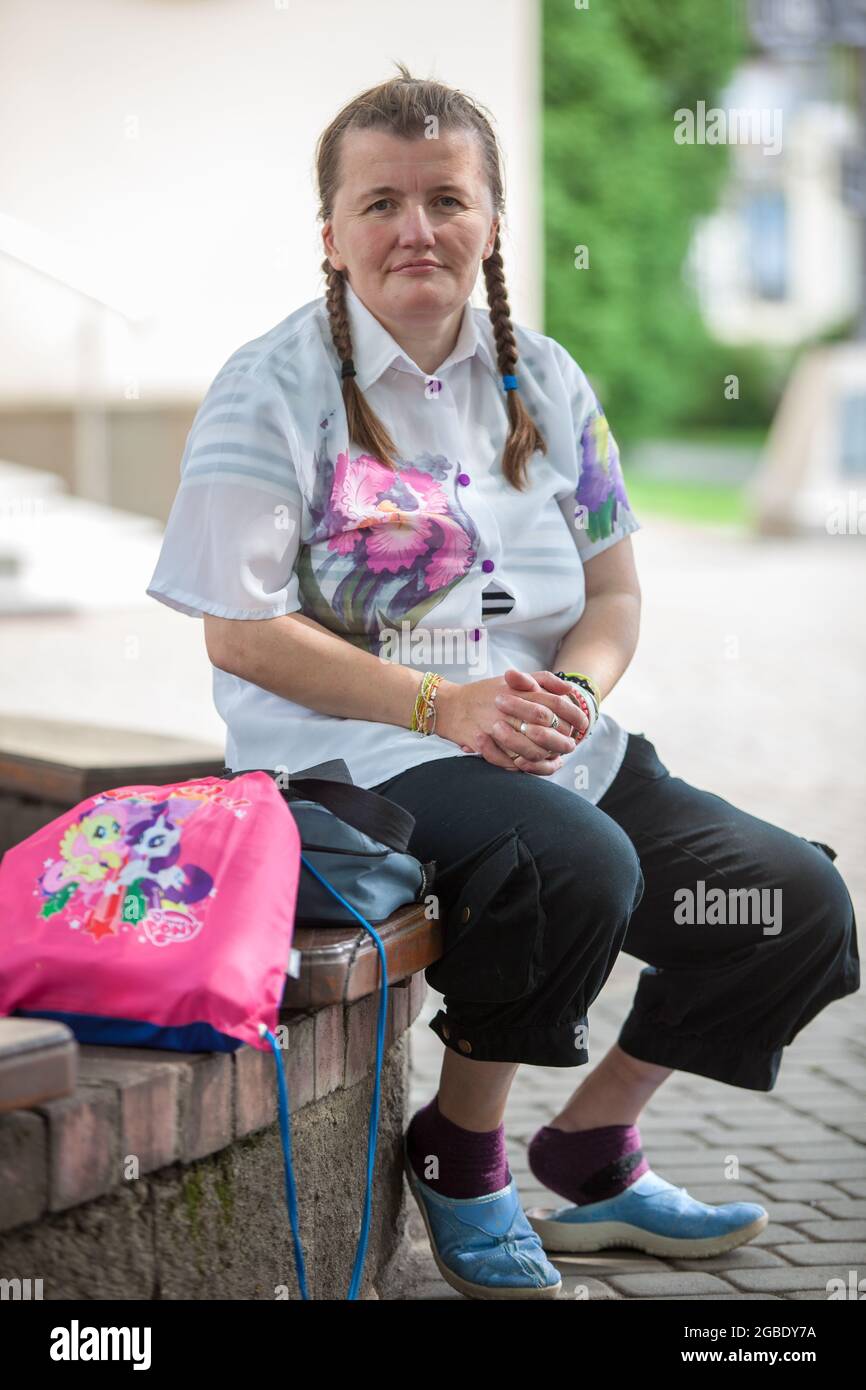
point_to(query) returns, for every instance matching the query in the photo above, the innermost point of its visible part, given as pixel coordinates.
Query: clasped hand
(494, 710)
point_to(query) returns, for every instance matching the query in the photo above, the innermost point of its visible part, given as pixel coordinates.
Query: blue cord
(291, 1199)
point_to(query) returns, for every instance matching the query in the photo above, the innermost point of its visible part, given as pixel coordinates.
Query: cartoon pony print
(90, 849)
(152, 870)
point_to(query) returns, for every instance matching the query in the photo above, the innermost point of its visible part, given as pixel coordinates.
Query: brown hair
(403, 106)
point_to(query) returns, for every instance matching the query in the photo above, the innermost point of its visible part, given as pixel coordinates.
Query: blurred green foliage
(715, 504)
(616, 182)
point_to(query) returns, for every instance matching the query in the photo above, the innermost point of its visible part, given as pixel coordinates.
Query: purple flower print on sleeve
(386, 547)
(600, 489)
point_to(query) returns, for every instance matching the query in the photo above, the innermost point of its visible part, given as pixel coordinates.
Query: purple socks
(454, 1161)
(589, 1165)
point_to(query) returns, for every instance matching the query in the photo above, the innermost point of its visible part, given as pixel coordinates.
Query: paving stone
(803, 1295)
(842, 1208)
(786, 1280)
(721, 1298)
(770, 1136)
(825, 1252)
(805, 1152)
(798, 1191)
(786, 1212)
(834, 1230)
(830, 1170)
(674, 1282)
(744, 1257)
(776, 1234)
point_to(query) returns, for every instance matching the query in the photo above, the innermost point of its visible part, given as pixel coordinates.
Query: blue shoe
(484, 1246)
(651, 1215)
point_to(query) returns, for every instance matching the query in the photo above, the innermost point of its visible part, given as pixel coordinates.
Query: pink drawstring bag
(158, 916)
(162, 916)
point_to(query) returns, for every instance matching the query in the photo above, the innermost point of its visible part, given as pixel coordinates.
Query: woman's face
(411, 200)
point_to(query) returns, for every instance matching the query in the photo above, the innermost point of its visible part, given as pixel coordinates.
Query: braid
(524, 437)
(364, 425)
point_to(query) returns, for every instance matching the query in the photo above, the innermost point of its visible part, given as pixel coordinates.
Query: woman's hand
(484, 717)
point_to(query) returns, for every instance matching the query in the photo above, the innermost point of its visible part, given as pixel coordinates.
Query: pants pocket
(494, 930)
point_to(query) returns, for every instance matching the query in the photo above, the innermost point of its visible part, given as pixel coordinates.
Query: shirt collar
(373, 348)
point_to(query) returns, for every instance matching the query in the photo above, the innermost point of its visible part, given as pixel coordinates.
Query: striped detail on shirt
(495, 600)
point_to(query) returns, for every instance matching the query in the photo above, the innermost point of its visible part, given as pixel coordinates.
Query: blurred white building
(778, 262)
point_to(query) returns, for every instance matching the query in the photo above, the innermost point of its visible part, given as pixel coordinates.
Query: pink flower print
(355, 498)
(358, 484)
(398, 539)
(452, 559)
(396, 542)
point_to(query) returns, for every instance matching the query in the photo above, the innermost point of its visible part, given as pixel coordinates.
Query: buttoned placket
(439, 395)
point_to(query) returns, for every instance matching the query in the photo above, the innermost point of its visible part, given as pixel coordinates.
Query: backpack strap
(367, 811)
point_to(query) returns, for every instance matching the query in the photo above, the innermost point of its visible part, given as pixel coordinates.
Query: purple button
(463, 479)
(476, 634)
(487, 566)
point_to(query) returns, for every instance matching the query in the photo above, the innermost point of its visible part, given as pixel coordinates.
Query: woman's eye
(379, 201)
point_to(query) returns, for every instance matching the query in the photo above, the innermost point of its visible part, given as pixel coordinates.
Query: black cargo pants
(539, 890)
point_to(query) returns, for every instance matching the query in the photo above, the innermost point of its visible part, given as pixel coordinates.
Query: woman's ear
(491, 240)
(331, 251)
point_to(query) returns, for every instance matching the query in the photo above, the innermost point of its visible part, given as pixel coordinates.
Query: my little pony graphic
(151, 875)
(90, 849)
(121, 865)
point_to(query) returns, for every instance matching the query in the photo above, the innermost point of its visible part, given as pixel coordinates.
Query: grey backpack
(357, 840)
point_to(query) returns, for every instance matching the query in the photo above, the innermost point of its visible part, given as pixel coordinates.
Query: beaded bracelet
(586, 682)
(425, 703)
(580, 701)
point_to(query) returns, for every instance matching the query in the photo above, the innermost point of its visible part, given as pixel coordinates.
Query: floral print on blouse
(395, 544)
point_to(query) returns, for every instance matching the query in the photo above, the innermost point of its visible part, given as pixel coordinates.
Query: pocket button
(465, 914)
(464, 1045)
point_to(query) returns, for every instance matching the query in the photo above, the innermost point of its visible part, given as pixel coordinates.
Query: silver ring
(555, 723)
(522, 727)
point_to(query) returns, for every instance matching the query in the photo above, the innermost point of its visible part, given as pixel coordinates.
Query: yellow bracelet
(425, 703)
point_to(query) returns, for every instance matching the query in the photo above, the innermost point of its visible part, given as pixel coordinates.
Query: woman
(403, 522)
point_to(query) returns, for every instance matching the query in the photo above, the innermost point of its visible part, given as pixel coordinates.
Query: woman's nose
(415, 225)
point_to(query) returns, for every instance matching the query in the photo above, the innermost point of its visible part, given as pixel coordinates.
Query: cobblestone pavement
(758, 651)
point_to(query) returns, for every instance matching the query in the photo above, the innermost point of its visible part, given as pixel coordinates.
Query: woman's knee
(594, 864)
(814, 892)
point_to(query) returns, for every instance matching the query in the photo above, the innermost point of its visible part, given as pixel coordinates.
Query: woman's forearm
(301, 660)
(603, 640)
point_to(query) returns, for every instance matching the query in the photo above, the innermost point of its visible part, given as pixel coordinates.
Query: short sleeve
(233, 533)
(597, 507)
